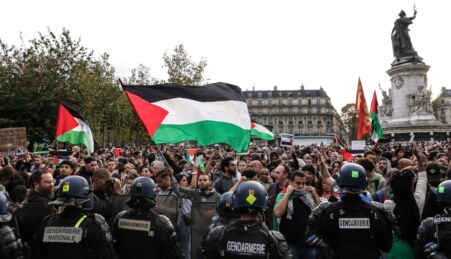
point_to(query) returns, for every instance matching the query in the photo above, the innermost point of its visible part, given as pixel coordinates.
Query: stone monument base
(420, 132)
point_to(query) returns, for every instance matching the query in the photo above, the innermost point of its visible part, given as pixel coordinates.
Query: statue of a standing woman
(402, 45)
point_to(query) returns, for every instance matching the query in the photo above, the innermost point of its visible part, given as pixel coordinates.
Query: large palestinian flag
(210, 114)
(261, 132)
(72, 127)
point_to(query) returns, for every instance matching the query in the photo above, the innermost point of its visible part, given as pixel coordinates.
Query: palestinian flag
(376, 128)
(189, 154)
(210, 114)
(261, 132)
(342, 151)
(72, 127)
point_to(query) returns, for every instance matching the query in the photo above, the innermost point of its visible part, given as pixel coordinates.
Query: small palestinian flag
(261, 132)
(189, 154)
(210, 114)
(72, 127)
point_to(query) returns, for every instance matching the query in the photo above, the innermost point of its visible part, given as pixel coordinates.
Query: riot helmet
(224, 207)
(142, 193)
(72, 191)
(5, 215)
(250, 194)
(352, 178)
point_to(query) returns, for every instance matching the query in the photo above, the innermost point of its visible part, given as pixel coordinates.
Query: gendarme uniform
(434, 233)
(73, 232)
(350, 228)
(140, 232)
(248, 238)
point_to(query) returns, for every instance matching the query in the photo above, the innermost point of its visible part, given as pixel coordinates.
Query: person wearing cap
(246, 237)
(350, 228)
(73, 232)
(434, 233)
(88, 169)
(66, 169)
(140, 232)
(9, 245)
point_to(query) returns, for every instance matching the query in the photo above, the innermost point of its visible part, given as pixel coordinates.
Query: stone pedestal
(410, 109)
(407, 82)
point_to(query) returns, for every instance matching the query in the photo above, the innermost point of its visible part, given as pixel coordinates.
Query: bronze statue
(402, 45)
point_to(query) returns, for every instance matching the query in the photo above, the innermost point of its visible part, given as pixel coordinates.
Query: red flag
(364, 123)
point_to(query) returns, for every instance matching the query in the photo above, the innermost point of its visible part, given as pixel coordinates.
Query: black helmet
(143, 189)
(5, 215)
(250, 194)
(352, 178)
(225, 205)
(444, 192)
(72, 191)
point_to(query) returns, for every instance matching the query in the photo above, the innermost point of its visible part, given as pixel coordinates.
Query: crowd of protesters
(403, 177)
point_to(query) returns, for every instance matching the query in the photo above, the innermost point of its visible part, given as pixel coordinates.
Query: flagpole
(161, 153)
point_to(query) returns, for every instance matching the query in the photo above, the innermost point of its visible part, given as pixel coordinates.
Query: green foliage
(349, 118)
(181, 69)
(52, 68)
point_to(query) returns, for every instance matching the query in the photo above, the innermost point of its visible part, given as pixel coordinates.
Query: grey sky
(250, 42)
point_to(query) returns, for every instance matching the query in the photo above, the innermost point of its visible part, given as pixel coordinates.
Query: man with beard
(204, 192)
(293, 206)
(66, 169)
(88, 169)
(227, 181)
(35, 207)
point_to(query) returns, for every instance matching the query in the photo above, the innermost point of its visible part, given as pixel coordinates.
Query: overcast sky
(250, 43)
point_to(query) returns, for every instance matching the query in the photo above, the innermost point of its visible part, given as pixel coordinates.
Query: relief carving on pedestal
(420, 102)
(387, 106)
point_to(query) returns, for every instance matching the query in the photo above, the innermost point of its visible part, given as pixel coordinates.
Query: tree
(349, 118)
(182, 70)
(49, 69)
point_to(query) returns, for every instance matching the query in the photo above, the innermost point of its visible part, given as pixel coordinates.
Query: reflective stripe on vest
(77, 225)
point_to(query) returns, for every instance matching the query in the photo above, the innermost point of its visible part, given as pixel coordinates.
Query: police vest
(349, 229)
(65, 237)
(136, 235)
(246, 242)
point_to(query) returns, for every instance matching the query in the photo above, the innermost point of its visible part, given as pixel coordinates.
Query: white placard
(358, 145)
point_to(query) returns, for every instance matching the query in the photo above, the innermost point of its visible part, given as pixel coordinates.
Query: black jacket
(88, 176)
(34, 209)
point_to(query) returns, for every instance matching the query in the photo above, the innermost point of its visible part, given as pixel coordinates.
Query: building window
(269, 94)
(249, 95)
(259, 95)
(309, 102)
(259, 102)
(442, 101)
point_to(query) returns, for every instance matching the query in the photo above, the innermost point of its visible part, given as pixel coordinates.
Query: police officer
(140, 232)
(434, 233)
(9, 245)
(350, 228)
(247, 237)
(73, 232)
